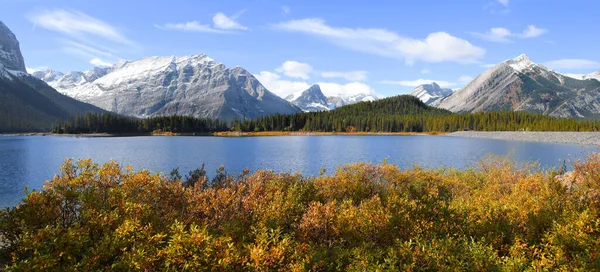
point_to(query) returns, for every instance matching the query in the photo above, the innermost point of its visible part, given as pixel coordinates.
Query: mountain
(26, 102)
(339, 101)
(429, 93)
(189, 85)
(594, 75)
(312, 99)
(71, 79)
(519, 84)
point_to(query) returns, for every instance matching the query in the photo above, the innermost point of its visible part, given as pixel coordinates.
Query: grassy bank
(493, 216)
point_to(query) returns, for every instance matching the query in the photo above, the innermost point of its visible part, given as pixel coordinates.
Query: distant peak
(522, 57)
(520, 63)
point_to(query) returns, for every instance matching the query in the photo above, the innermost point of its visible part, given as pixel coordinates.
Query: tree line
(396, 114)
(113, 123)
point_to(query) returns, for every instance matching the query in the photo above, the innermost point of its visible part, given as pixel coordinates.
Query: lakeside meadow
(495, 215)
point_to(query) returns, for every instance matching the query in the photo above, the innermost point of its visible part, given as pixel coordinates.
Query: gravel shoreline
(581, 138)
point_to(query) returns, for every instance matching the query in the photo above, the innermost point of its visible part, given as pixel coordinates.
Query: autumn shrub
(495, 215)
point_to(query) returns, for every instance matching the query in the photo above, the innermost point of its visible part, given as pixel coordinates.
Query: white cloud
(573, 64)
(425, 71)
(350, 76)
(222, 24)
(100, 63)
(503, 2)
(77, 25)
(532, 32)
(295, 69)
(286, 10)
(349, 89)
(487, 65)
(465, 79)
(436, 47)
(282, 88)
(500, 34)
(221, 21)
(193, 26)
(418, 82)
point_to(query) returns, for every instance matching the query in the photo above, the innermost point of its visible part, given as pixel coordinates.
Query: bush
(493, 216)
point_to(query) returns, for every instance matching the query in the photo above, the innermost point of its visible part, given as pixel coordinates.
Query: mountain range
(26, 102)
(519, 84)
(189, 85)
(313, 99)
(429, 93)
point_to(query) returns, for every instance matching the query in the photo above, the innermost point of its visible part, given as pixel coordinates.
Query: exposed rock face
(429, 93)
(26, 102)
(190, 85)
(10, 52)
(521, 85)
(312, 99)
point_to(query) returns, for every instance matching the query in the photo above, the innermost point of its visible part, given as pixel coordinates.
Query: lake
(27, 161)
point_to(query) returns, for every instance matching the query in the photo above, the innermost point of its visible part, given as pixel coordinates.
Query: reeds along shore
(495, 215)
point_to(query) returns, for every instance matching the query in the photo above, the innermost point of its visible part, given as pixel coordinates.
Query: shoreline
(559, 137)
(230, 134)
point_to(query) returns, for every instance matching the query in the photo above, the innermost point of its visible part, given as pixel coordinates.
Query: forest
(396, 114)
(117, 124)
(496, 215)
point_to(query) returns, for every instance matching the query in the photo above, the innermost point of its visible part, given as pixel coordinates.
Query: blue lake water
(27, 161)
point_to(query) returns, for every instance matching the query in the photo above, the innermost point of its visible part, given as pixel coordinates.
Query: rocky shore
(582, 138)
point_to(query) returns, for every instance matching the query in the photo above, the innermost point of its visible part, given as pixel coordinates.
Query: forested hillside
(408, 114)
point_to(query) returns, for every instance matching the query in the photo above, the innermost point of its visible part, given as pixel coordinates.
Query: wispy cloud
(193, 26)
(222, 24)
(503, 2)
(100, 63)
(418, 82)
(221, 21)
(77, 25)
(350, 76)
(425, 71)
(436, 47)
(286, 10)
(465, 79)
(500, 34)
(84, 36)
(573, 64)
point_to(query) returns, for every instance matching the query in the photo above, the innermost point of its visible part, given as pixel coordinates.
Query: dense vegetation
(395, 114)
(408, 114)
(493, 216)
(113, 123)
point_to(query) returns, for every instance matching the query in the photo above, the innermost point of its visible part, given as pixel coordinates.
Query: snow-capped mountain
(72, 79)
(338, 101)
(429, 93)
(48, 75)
(312, 99)
(594, 75)
(10, 51)
(188, 85)
(520, 84)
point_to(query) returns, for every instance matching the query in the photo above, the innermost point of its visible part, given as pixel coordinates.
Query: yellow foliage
(495, 215)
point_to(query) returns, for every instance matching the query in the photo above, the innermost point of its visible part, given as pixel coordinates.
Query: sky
(382, 48)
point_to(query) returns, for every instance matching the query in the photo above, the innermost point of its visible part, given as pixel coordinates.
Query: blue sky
(382, 47)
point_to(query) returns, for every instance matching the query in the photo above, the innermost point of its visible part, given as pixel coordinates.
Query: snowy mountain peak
(10, 52)
(521, 63)
(48, 75)
(311, 99)
(428, 93)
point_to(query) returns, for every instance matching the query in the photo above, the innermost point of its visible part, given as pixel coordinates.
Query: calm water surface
(26, 161)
